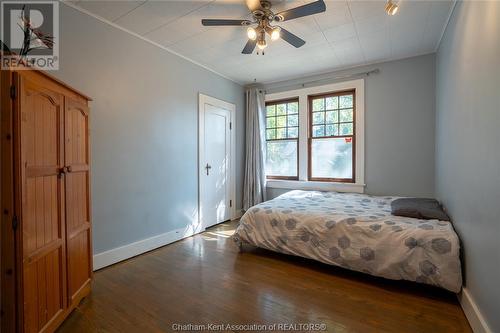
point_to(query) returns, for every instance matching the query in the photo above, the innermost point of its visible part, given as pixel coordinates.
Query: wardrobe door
(78, 231)
(43, 274)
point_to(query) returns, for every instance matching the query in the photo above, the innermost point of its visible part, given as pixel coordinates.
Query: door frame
(202, 100)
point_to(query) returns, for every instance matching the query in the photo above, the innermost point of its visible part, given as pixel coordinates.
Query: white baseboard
(124, 252)
(474, 316)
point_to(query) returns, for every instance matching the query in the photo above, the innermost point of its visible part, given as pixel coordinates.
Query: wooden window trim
(310, 137)
(285, 101)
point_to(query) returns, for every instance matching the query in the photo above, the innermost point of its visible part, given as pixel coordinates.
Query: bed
(357, 232)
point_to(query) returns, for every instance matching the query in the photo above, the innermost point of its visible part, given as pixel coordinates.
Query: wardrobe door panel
(42, 212)
(79, 262)
(42, 292)
(78, 231)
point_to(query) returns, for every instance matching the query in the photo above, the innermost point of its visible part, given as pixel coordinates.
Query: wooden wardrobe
(46, 232)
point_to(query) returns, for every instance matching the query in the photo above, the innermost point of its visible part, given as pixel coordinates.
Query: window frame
(310, 137)
(282, 101)
(279, 92)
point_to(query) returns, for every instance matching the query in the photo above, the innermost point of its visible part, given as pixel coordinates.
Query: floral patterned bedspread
(357, 232)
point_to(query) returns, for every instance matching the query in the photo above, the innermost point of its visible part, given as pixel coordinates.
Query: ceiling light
(391, 8)
(251, 33)
(261, 44)
(275, 34)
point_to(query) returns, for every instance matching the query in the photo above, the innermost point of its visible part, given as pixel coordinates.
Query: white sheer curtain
(254, 187)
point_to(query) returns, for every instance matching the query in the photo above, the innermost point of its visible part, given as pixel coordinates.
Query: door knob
(64, 170)
(208, 167)
(61, 172)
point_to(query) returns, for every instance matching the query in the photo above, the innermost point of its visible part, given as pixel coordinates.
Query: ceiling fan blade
(219, 22)
(253, 4)
(305, 10)
(249, 47)
(287, 36)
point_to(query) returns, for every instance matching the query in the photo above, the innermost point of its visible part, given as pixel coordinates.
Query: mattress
(357, 232)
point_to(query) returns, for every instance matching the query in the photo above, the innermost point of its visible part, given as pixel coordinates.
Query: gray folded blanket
(420, 208)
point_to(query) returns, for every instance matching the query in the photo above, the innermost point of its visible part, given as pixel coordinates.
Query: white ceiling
(350, 33)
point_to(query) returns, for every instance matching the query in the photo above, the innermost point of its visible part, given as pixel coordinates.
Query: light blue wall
(468, 145)
(399, 122)
(144, 128)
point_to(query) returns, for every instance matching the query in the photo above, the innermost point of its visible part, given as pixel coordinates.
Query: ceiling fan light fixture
(261, 44)
(261, 23)
(251, 33)
(275, 34)
(391, 8)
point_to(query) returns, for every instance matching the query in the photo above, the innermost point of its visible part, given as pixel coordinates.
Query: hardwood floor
(205, 280)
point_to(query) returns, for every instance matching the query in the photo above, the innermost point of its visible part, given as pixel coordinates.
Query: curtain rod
(331, 78)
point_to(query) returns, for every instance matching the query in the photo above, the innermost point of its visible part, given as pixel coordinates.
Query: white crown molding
(245, 83)
(335, 71)
(97, 17)
(436, 48)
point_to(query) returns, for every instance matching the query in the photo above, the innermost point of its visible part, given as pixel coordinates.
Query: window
(282, 133)
(332, 137)
(329, 152)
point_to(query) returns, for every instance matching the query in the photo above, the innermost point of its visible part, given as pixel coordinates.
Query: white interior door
(216, 196)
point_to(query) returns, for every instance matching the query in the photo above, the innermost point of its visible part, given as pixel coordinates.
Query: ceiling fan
(264, 17)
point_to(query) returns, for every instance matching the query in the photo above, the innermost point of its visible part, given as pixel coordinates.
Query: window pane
(346, 129)
(271, 122)
(346, 101)
(270, 110)
(281, 121)
(332, 117)
(318, 104)
(319, 130)
(346, 115)
(293, 120)
(332, 103)
(293, 108)
(282, 158)
(293, 132)
(281, 109)
(318, 118)
(331, 158)
(271, 134)
(281, 133)
(332, 130)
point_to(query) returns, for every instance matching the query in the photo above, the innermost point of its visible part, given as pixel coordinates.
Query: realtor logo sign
(29, 33)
